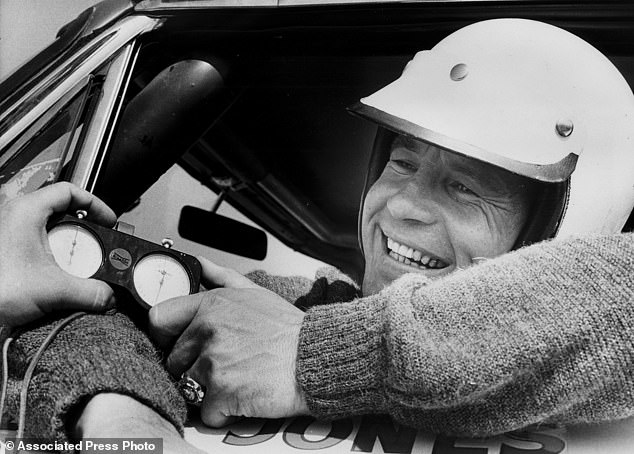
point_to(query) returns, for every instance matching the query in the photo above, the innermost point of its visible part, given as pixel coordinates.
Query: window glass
(42, 158)
(157, 217)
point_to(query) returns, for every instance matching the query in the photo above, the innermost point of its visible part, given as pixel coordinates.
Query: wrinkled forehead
(488, 176)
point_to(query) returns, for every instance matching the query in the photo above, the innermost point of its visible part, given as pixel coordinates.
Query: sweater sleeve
(288, 287)
(543, 334)
(94, 354)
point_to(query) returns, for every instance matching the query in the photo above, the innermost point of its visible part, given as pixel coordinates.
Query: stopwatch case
(122, 252)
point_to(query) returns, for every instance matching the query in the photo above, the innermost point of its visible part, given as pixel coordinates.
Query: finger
(64, 197)
(215, 411)
(80, 294)
(168, 319)
(184, 354)
(202, 368)
(218, 276)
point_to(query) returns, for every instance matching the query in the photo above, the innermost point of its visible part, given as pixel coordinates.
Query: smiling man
(435, 212)
(506, 133)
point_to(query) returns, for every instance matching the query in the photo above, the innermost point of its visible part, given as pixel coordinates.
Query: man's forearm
(498, 346)
(94, 354)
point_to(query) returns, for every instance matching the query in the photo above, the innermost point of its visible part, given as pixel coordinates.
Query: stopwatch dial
(76, 250)
(158, 277)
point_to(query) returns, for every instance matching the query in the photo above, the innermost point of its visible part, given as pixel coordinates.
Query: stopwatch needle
(163, 273)
(72, 250)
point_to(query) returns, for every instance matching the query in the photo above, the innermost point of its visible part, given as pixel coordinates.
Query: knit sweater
(543, 334)
(94, 354)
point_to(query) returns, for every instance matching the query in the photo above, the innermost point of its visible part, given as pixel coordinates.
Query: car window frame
(110, 58)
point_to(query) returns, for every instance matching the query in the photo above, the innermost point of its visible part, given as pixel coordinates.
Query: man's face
(433, 212)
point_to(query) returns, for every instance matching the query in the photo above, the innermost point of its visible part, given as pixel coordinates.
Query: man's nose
(416, 200)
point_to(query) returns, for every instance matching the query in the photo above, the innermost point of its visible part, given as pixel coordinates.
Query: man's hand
(31, 283)
(239, 341)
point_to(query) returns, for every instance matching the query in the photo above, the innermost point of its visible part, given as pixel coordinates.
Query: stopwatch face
(76, 250)
(158, 277)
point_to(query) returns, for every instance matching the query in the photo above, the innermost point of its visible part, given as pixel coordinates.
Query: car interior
(252, 104)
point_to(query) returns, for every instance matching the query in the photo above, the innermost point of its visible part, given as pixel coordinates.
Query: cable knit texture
(94, 354)
(543, 334)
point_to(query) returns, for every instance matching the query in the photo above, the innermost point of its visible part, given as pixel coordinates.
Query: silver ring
(192, 391)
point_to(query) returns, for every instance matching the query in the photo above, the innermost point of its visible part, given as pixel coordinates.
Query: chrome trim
(117, 37)
(46, 87)
(41, 122)
(160, 5)
(98, 135)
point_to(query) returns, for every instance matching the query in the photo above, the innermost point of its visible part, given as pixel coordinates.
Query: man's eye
(462, 189)
(402, 166)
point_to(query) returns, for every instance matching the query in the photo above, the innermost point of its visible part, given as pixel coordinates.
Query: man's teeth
(411, 256)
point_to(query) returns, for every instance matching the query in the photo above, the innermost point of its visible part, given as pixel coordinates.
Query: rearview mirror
(220, 232)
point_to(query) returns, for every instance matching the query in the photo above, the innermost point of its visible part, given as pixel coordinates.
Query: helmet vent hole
(564, 127)
(459, 72)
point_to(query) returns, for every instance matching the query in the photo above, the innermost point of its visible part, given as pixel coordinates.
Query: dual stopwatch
(151, 273)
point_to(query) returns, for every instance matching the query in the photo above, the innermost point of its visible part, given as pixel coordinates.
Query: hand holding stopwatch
(150, 273)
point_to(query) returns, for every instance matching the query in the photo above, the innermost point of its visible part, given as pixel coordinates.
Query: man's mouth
(413, 257)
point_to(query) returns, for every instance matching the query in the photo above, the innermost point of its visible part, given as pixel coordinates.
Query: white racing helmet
(530, 98)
